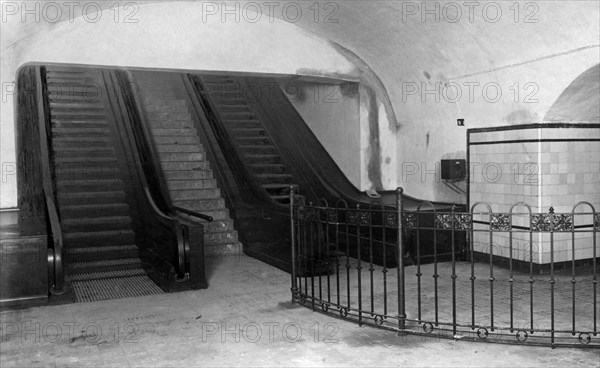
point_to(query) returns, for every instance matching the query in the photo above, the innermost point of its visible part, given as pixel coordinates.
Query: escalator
(113, 235)
(268, 147)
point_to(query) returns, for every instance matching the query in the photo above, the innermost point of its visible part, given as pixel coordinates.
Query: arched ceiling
(580, 101)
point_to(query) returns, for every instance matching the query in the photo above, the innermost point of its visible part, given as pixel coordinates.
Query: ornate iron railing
(514, 277)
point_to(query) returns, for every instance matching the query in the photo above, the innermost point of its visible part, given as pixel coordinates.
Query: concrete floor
(245, 318)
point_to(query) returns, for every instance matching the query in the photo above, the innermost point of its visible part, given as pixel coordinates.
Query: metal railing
(478, 275)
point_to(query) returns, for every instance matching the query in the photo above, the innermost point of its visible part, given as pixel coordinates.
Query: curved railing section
(47, 183)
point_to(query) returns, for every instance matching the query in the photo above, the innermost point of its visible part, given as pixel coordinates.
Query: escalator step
(268, 168)
(111, 209)
(76, 105)
(62, 132)
(100, 223)
(258, 149)
(272, 178)
(263, 159)
(234, 108)
(92, 185)
(167, 108)
(107, 274)
(83, 151)
(84, 159)
(91, 198)
(83, 254)
(69, 173)
(253, 141)
(103, 265)
(100, 238)
(248, 132)
(235, 115)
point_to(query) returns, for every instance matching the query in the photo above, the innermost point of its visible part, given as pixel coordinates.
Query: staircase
(100, 254)
(259, 154)
(183, 160)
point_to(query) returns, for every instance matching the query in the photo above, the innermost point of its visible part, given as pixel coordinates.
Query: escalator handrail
(50, 199)
(166, 217)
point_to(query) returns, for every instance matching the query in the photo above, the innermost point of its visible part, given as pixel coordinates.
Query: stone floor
(244, 318)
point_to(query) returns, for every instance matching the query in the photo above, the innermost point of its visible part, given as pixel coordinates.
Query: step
(103, 265)
(91, 198)
(83, 151)
(82, 210)
(253, 140)
(247, 132)
(170, 124)
(70, 97)
(93, 185)
(176, 140)
(222, 250)
(83, 140)
(185, 165)
(107, 274)
(225, 237)
(255, 159)
(76, 106)
(178, 195)
(80, 116)
(257, 149)
(92, 160)
(190, 132)
(81, 254)
(272, 178)
(99, 238)
(179, 148)
(191, 184)
(237, 115)
(98, 124)
(150, 108)
(201, 204)
(234, 108)
(101, 223)
(267, 168)
(65, 132)
(188, 175)
(181, 156)
(74, 88)
(69, 173)
(243, 124)
(163, 101)
(169, 116)
(219, 225)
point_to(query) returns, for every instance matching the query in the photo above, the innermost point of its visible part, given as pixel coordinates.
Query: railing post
(294, 288)
(401, 291)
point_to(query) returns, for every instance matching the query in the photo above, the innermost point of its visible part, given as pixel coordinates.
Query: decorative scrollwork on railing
(443, 221)
(563, 222)
(311, 213)
(541, 222)
(359, 217)
(463, 221)
(597, 221)
(332, 216)
(391, 219)
(409, 220)
(457, 221)
(500, 222)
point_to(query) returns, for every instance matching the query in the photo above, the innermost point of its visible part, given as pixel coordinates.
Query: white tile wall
(547, 174)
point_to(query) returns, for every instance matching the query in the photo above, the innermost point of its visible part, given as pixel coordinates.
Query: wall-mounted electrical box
(454, 169)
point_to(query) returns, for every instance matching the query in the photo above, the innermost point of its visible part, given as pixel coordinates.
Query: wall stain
(427, 139)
